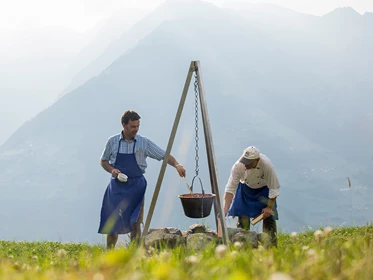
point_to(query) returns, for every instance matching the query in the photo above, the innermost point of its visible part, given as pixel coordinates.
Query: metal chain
(196, 90)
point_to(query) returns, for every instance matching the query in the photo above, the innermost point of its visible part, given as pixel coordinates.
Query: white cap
(249, 155)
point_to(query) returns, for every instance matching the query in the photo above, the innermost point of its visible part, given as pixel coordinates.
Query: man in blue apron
(126, 153)
(252, 189)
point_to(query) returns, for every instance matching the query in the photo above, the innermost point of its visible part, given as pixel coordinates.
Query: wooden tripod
(194, 67)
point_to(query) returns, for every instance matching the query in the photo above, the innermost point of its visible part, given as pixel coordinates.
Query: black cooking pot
(197, 205)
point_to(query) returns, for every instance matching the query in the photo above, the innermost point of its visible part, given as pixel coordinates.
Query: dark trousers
(136, 232)
(269, 227)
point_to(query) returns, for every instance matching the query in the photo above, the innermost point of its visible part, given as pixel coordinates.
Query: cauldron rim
(197, 195)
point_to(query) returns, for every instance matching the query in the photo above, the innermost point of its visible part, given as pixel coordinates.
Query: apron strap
(120, 141)
(134, 145)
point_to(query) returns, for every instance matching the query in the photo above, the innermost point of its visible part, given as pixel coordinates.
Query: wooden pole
(168, 150)
(211, 156)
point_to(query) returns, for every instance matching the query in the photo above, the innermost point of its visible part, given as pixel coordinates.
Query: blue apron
(250, 202)
(123, 200)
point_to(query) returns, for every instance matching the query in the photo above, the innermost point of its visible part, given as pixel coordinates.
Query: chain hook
(196, 90)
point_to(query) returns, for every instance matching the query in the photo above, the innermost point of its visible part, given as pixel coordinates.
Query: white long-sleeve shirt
(263, 174)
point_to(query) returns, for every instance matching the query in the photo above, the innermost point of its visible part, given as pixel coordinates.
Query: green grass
(344, 253)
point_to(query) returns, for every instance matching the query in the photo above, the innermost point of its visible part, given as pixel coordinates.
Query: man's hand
(180, 169)
(225, 215)
(115, 172)
(173, 162)
(267, 212)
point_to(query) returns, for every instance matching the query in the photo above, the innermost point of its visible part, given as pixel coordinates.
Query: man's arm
(107, 166)
(231, 187)
(271, 202)
(157, 153)
(228, 197)
(104, 161)
(274, 188)
(268, 210)
(173, 162)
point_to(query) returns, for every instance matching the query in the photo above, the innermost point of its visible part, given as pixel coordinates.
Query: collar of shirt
(122, 138)
(259, 164)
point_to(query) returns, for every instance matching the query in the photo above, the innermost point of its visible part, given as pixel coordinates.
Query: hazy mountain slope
(258, 92)
(33, 69)
(105, 33)
(128, 39)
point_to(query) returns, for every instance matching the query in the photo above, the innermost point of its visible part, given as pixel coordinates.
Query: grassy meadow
(342, 253)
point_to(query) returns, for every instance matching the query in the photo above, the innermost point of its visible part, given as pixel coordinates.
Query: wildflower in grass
(16, 265)
(98, 276)
(191, 260)
(238, 245)
(294, 235)
(305, 248)
(137, 276)
(234, 254)
(312, 254)
(25, 266)
(280, 276)
(74, 263)
(150, 251)
(318, 235)
(34, 257)
(141, 254)
(327, 230)
(220, 251)
(165, 256)
(11, 257)
(61, 253)
(261, 248)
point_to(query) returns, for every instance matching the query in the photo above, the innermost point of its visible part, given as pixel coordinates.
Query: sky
(82, 15)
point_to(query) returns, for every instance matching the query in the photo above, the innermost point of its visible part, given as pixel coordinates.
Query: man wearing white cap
(252, 189)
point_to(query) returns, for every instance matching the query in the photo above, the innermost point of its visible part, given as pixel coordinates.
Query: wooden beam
(168, 150)
(218, 208)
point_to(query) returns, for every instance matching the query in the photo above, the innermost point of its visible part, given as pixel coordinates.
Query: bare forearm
(271, 202)
(106, 165)
(173, 162)
(109, 168)
(228, 197)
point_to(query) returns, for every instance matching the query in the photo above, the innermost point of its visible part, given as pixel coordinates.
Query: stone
(197, 228)
(185, 233)
(198, 241)
(212, 233)
(174, 231)
(164, 230)
(247, 237)
(198, 238)
(233, 231)
(161, 238)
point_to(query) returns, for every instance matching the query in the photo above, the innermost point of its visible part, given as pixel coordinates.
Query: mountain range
(297, 87)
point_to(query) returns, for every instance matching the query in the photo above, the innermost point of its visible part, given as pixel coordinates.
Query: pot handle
(200, 182)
